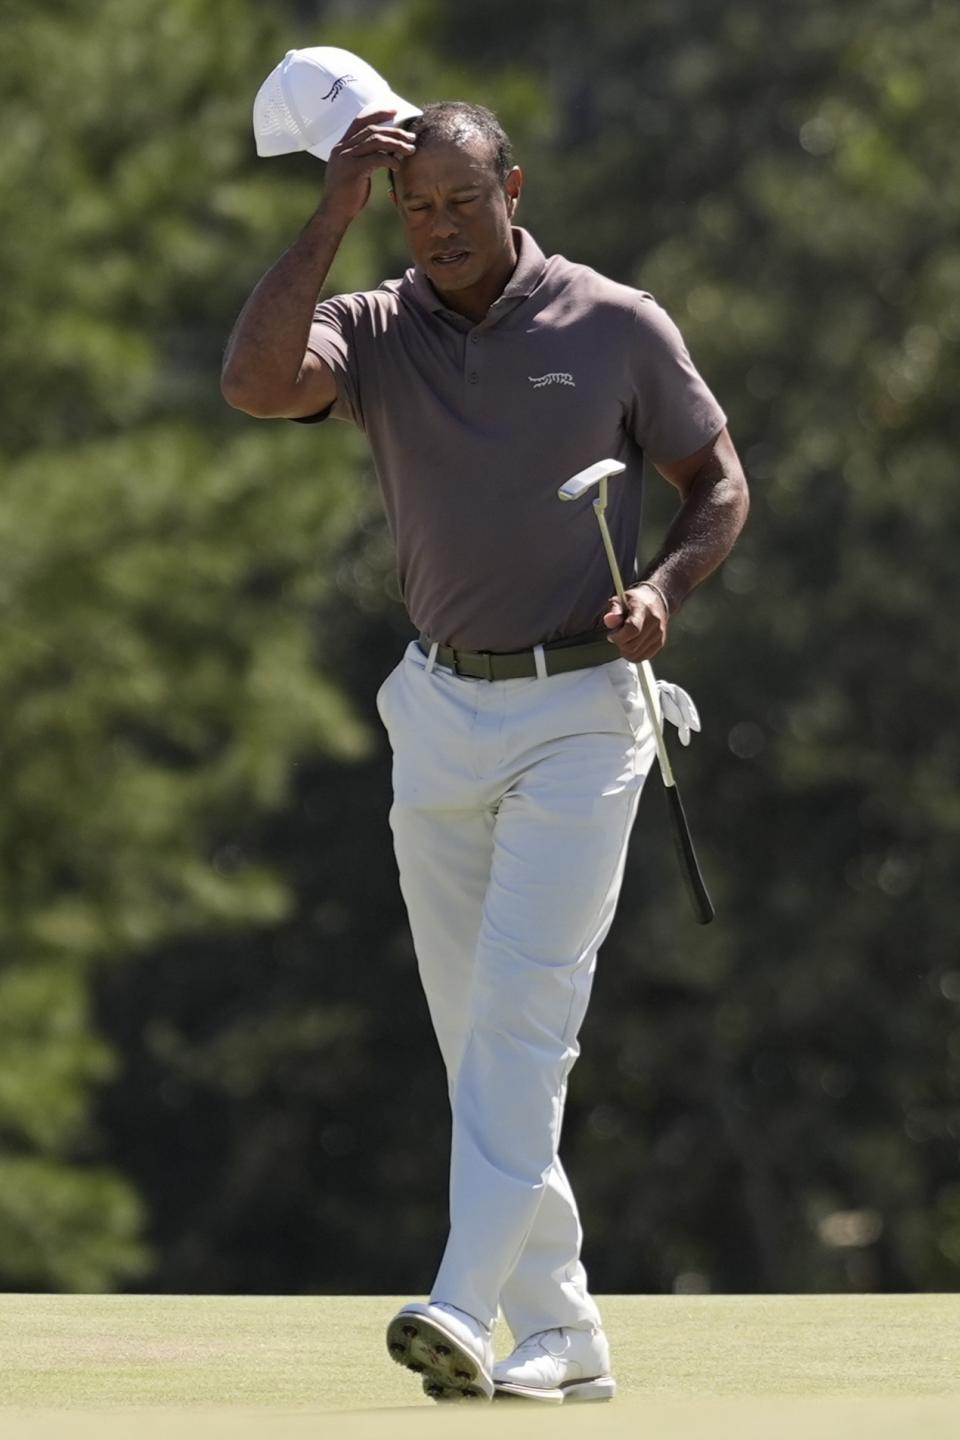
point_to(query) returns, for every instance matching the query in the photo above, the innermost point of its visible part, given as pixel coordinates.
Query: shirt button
(473, 377)
(474, 339)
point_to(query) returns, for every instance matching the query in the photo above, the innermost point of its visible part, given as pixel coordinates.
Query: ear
(513, 188)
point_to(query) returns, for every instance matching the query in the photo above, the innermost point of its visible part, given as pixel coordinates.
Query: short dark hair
(457, 120)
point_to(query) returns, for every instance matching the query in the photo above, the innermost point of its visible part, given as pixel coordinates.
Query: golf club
(577, 485)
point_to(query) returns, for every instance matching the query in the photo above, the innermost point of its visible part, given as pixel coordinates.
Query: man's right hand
(370, 144)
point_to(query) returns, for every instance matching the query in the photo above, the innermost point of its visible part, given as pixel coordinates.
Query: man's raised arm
(267, 369)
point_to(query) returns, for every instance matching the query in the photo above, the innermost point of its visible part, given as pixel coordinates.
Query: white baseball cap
(312, 97)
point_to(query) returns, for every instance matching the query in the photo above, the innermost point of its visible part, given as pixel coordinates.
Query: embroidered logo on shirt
(337, 86)
(555, 377)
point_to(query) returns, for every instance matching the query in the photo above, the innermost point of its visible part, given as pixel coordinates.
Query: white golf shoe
(557, 1366)
(451, 1350)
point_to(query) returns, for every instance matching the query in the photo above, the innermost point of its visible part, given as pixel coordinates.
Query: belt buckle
(484, 665)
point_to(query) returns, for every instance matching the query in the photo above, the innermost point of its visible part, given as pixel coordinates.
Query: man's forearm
(703, 531)
(268, 342)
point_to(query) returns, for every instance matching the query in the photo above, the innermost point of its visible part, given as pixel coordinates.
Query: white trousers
(513, 803)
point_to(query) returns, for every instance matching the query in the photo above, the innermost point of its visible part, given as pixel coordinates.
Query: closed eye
(465, 200)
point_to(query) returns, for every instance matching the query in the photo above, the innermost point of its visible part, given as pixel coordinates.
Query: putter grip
(696, 886)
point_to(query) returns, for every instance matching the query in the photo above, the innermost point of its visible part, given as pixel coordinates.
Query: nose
(444, 226)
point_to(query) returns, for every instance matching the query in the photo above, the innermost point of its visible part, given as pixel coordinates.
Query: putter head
(585, 480)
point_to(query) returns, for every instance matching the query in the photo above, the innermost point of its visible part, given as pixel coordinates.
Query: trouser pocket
(623, 683)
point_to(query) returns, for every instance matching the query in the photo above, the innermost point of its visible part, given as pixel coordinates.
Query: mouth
(450, 258)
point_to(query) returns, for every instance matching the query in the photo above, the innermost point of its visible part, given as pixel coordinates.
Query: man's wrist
(652, 585)
(332, 219)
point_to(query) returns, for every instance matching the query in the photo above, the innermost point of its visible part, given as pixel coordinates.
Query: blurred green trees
(211, 1038)
(162, 567)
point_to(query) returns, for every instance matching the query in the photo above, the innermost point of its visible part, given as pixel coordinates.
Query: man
(484, 378)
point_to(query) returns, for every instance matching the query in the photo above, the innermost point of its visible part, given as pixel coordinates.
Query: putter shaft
(573, 488)
(644, 669)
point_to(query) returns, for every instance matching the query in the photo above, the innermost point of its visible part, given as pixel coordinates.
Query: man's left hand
(642, 632)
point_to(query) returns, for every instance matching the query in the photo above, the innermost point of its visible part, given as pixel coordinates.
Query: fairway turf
(278, 1368)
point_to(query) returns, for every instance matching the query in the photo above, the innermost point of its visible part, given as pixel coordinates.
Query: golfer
(483, 378)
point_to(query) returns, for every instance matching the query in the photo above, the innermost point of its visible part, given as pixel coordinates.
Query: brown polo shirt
(474, 427)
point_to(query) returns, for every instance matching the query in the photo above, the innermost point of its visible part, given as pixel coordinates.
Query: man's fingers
(382, 133)
(379, 142)
(387, 133)
(637, 644)
(372, 117)
(640, 635)
(633, 646)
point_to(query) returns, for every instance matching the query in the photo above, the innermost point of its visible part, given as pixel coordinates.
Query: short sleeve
(333, 339)
(673, 412)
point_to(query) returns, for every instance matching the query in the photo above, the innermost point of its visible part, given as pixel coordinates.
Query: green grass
(820, 1367)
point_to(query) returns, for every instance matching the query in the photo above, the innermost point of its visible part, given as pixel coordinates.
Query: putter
(577, 485)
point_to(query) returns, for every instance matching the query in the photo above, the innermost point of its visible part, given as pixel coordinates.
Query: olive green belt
(559, 656)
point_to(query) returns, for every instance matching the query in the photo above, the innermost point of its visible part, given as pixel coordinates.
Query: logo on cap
(337, 86)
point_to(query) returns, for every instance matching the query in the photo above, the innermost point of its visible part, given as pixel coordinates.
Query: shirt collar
(529, 268)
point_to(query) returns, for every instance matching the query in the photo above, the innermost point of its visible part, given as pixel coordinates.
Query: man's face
(455, 211)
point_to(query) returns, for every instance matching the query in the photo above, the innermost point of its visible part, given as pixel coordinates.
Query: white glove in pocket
(677, 707)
